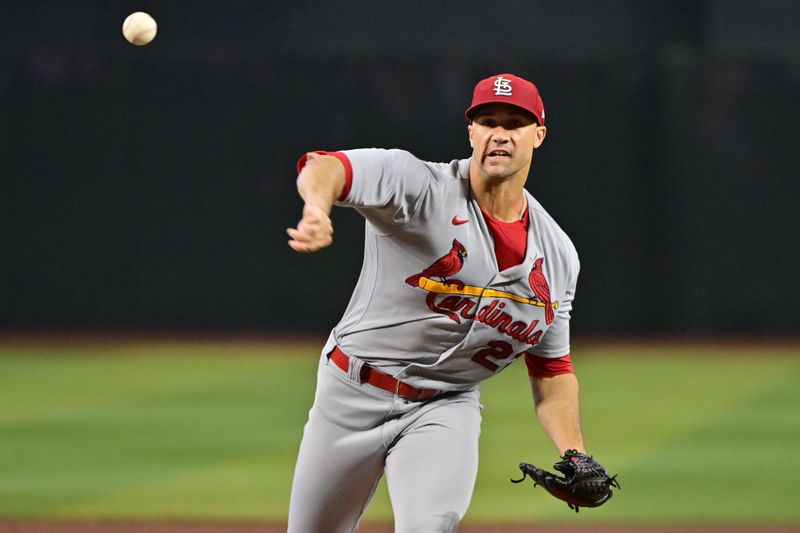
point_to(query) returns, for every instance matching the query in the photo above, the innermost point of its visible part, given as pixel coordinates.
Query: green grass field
(210, 431)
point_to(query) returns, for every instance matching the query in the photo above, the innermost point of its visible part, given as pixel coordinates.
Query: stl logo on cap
(502, 86)
(507, 89)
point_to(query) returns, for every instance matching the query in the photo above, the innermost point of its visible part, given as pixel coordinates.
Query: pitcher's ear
(541, 133)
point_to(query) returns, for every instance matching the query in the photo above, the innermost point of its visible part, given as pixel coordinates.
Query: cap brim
(469, 113)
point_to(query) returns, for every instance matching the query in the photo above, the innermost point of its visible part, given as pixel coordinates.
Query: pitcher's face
(503, 138)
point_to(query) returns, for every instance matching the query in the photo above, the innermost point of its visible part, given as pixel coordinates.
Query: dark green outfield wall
(149, 188)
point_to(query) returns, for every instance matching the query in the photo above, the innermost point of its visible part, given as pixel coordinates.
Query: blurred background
(148, 188)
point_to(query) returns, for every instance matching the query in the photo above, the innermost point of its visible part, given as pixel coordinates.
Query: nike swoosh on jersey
(457, 221)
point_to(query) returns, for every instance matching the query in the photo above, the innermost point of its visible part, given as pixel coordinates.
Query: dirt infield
(20, 526)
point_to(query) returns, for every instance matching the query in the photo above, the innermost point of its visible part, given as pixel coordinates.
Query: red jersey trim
(348, 169)
(545, 367)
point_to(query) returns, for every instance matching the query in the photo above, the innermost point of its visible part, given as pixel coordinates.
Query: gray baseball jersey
(431, 306)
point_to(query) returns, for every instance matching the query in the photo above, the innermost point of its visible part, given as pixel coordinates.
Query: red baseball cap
(507, 89)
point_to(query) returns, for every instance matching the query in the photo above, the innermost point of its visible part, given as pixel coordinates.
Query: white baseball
(139, 28)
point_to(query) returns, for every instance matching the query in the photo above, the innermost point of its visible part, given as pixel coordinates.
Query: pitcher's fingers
(305, 247)
(299, 242)
(299, 247)
(298, 235)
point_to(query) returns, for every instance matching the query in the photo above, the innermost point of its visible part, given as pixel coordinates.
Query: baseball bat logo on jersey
(459, 299)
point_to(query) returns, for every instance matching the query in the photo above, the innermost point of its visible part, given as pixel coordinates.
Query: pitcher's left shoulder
(554, 240)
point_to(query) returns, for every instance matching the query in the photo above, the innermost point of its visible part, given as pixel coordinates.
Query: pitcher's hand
(313, 232)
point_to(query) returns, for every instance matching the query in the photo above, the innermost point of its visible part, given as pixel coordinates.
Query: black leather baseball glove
(585, 483)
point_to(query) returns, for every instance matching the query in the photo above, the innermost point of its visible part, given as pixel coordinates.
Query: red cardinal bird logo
(541, 289)
(447, 265)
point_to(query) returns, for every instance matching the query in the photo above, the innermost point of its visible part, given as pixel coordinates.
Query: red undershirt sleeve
(348, 169)
(546, 367)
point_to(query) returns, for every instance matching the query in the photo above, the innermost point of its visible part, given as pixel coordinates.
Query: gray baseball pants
(356, 432)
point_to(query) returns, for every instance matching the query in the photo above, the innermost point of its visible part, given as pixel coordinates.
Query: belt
(384, 381)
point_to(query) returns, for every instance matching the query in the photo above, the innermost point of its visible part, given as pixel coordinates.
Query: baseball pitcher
(464, 272)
